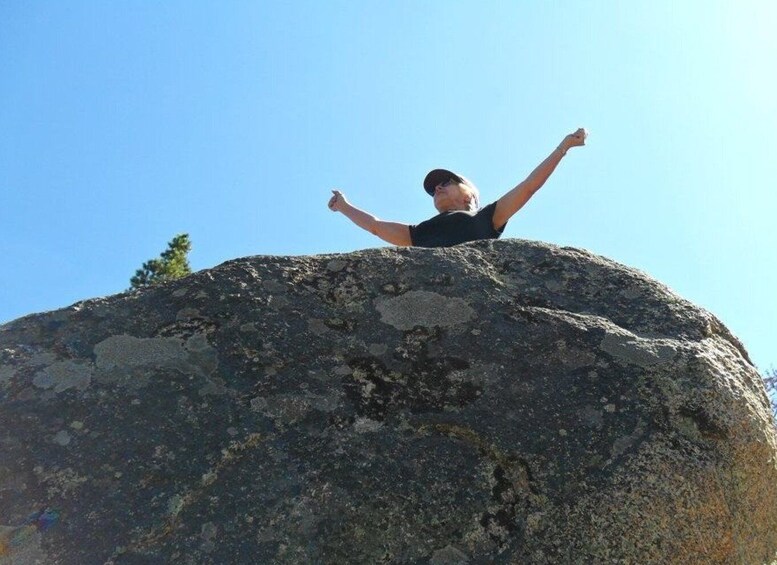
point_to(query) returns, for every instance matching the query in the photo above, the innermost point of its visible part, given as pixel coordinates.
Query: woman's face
(451, 195)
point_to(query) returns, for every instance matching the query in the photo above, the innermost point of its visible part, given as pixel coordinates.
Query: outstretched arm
(392, 232)
(514, 200)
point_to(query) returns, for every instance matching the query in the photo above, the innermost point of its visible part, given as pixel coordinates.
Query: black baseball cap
(437, 176)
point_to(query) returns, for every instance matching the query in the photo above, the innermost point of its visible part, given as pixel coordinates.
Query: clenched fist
(574, 139)
(337, 202)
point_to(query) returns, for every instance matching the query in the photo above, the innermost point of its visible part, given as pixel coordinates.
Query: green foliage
(172, 264)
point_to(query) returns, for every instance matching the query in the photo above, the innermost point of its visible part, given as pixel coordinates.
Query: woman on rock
(460, 217)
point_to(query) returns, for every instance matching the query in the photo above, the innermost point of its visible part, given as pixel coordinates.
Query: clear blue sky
(125, 123)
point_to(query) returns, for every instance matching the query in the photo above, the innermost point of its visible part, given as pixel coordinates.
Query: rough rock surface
(497, 402)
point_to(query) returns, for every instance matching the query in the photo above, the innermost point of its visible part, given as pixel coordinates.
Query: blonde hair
(474, 202)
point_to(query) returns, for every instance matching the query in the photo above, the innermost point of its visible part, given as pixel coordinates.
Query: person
(456, 198)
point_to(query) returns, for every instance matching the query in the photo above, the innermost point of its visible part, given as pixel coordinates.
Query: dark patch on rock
(185, 329)
(377, 392)
(708, 428)
(339, 324)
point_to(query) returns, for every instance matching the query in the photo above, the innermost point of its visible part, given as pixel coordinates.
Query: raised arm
(514, 200)
(392, 232)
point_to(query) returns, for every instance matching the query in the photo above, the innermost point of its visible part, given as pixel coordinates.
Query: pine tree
(172, 264)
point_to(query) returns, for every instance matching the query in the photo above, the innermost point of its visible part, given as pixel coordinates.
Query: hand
(337, 202)
(574, 139)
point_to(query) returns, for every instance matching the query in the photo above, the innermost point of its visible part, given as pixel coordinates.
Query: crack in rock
(512, 490)
(178, 503)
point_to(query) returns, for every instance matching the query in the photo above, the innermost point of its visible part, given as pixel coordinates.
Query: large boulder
(496, 402)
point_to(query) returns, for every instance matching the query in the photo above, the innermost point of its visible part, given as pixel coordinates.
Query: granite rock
(496, 402)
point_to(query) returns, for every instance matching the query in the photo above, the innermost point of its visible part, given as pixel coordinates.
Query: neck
(462, 208)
